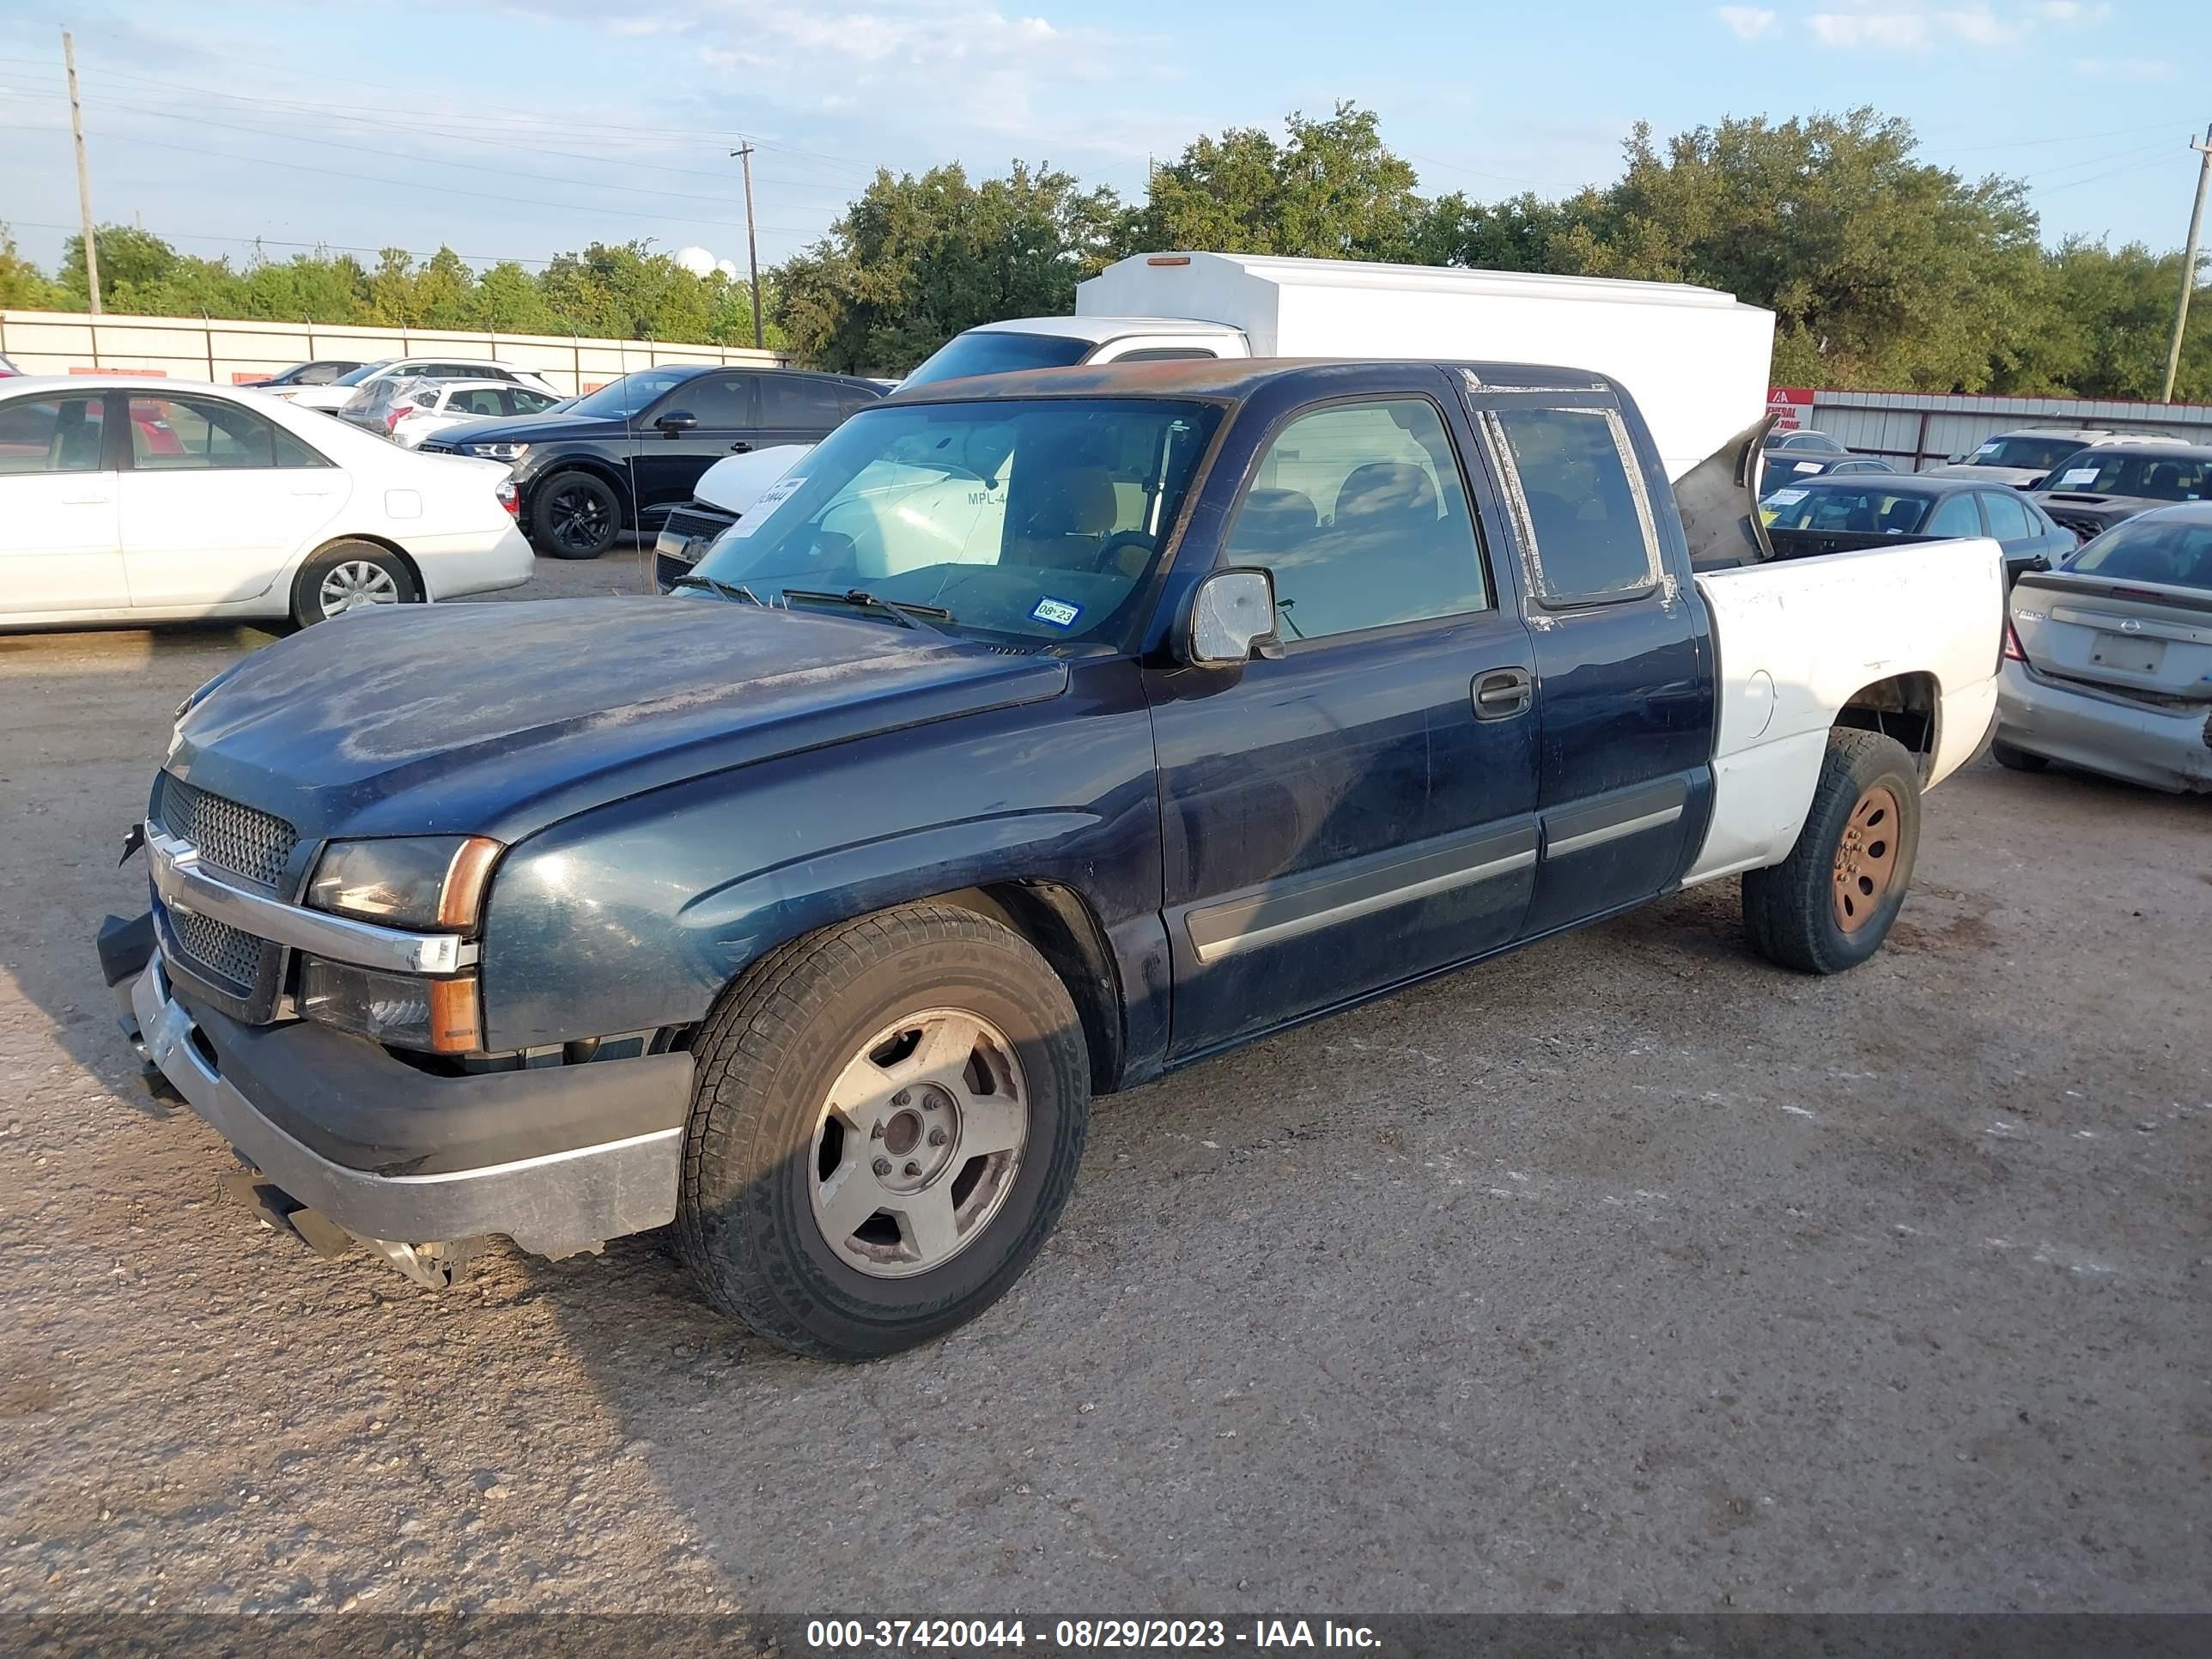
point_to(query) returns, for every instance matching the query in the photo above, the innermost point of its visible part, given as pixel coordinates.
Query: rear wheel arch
(1905, 707)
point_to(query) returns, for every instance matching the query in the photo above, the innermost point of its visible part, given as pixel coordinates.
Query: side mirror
(1232, 620)
(676, 421)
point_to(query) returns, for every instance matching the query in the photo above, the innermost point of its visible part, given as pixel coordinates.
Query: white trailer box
(1695, 358)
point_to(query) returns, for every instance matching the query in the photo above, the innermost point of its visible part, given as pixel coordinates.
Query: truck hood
(500, 719)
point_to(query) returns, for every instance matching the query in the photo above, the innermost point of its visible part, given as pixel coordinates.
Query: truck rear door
(1362, 810)
(1623, 651)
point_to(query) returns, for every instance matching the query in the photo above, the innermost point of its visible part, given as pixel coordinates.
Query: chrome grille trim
(231, 836)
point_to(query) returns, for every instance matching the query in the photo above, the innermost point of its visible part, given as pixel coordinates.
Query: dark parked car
(322, 372)
(1791, 457)
(623, 457)
(2092, 491)
(1834, 515)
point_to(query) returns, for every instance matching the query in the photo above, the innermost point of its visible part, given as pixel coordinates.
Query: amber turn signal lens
(463, 898)
(455, 1028)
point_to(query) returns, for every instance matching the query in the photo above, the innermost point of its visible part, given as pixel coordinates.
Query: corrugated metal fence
(202, 348)
(1918, 430)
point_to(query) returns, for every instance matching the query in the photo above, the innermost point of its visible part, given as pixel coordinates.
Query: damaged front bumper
(559, 1158)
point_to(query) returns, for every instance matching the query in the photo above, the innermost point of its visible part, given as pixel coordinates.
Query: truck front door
(1622, 651)
(1348, 816)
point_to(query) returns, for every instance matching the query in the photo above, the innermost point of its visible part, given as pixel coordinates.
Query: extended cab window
(1359, 511)
(1032, 521)
(1594, 541)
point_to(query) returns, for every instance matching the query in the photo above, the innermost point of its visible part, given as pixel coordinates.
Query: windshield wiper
(735, 591)
(860, 599)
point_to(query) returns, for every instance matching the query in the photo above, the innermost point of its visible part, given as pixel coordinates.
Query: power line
(407, 184)
(382, 121)
(478, 259)
(537, 119)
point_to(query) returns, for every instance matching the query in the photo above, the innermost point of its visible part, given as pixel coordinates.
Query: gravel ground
(1635, 1274)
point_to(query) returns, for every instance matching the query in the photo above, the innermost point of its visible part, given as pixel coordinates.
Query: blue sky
(522, 127)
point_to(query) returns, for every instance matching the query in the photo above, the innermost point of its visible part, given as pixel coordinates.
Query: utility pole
(744, 154)
(2188, 264)
(83, 181)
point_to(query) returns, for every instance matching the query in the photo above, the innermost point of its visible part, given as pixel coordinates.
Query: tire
(575, 515)
(2017, 760)
(347, 573)
(773, 1217)
(1829, 905)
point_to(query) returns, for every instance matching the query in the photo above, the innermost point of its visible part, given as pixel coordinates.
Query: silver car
(2108, 659)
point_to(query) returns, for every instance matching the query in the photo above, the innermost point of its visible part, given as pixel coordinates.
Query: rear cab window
(1577, 494)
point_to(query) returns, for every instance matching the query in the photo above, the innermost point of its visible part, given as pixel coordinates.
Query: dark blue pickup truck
(1043, 733)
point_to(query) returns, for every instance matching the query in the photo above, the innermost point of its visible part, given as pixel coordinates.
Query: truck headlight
(439, 1015)
(498, 452)
(416, 881)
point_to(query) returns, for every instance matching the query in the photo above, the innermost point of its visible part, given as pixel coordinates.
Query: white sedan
(126, 502)
(428, 406)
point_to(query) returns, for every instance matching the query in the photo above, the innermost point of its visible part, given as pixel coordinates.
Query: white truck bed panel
(1796, 640)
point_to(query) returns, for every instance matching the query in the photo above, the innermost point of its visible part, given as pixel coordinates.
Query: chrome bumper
(2164, 749)
(554, 1205)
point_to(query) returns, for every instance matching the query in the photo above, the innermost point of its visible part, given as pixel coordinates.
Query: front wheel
(347, 575)
(888, 1118)
(1829, 905)
(576, 516)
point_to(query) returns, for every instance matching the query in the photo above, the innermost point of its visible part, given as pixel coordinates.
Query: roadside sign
(1792, 404)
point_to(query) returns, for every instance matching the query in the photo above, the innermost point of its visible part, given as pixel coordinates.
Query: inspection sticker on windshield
(1785, 497)
(2077, 478)
(1059, 612)
(765, 503)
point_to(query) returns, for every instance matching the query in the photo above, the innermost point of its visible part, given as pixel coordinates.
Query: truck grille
(218, 949)
(254, 844)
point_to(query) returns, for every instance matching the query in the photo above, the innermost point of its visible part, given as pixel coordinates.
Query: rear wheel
(1829, 905)
(347, 575)
(2018, 760)
(576, 516)
(888, 1118)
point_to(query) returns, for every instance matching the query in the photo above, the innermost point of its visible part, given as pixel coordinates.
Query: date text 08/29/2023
(1081, 1635)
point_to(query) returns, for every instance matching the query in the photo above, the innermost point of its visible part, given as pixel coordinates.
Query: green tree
(23, 286)
(1881, 270)
(129, 258)
(1333, 191)
(916, 260)
(2107, 325)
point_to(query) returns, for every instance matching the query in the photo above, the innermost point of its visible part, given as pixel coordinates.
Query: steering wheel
(1110, 554)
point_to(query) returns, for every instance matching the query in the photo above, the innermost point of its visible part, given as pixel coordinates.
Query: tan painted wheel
(1866, 859)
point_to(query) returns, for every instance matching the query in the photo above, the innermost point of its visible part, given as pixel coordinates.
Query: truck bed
(1796, 640)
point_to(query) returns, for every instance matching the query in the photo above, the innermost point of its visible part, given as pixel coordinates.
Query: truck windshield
(996, 351)
(1034, 522)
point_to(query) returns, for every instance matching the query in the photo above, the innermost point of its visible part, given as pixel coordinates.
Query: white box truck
(1695, 358)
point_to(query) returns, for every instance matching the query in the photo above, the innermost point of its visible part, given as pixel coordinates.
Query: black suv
(621, 457)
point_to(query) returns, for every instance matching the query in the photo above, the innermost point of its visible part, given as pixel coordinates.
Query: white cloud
(1746, 22)
(1848, 29)
(1908, 27)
